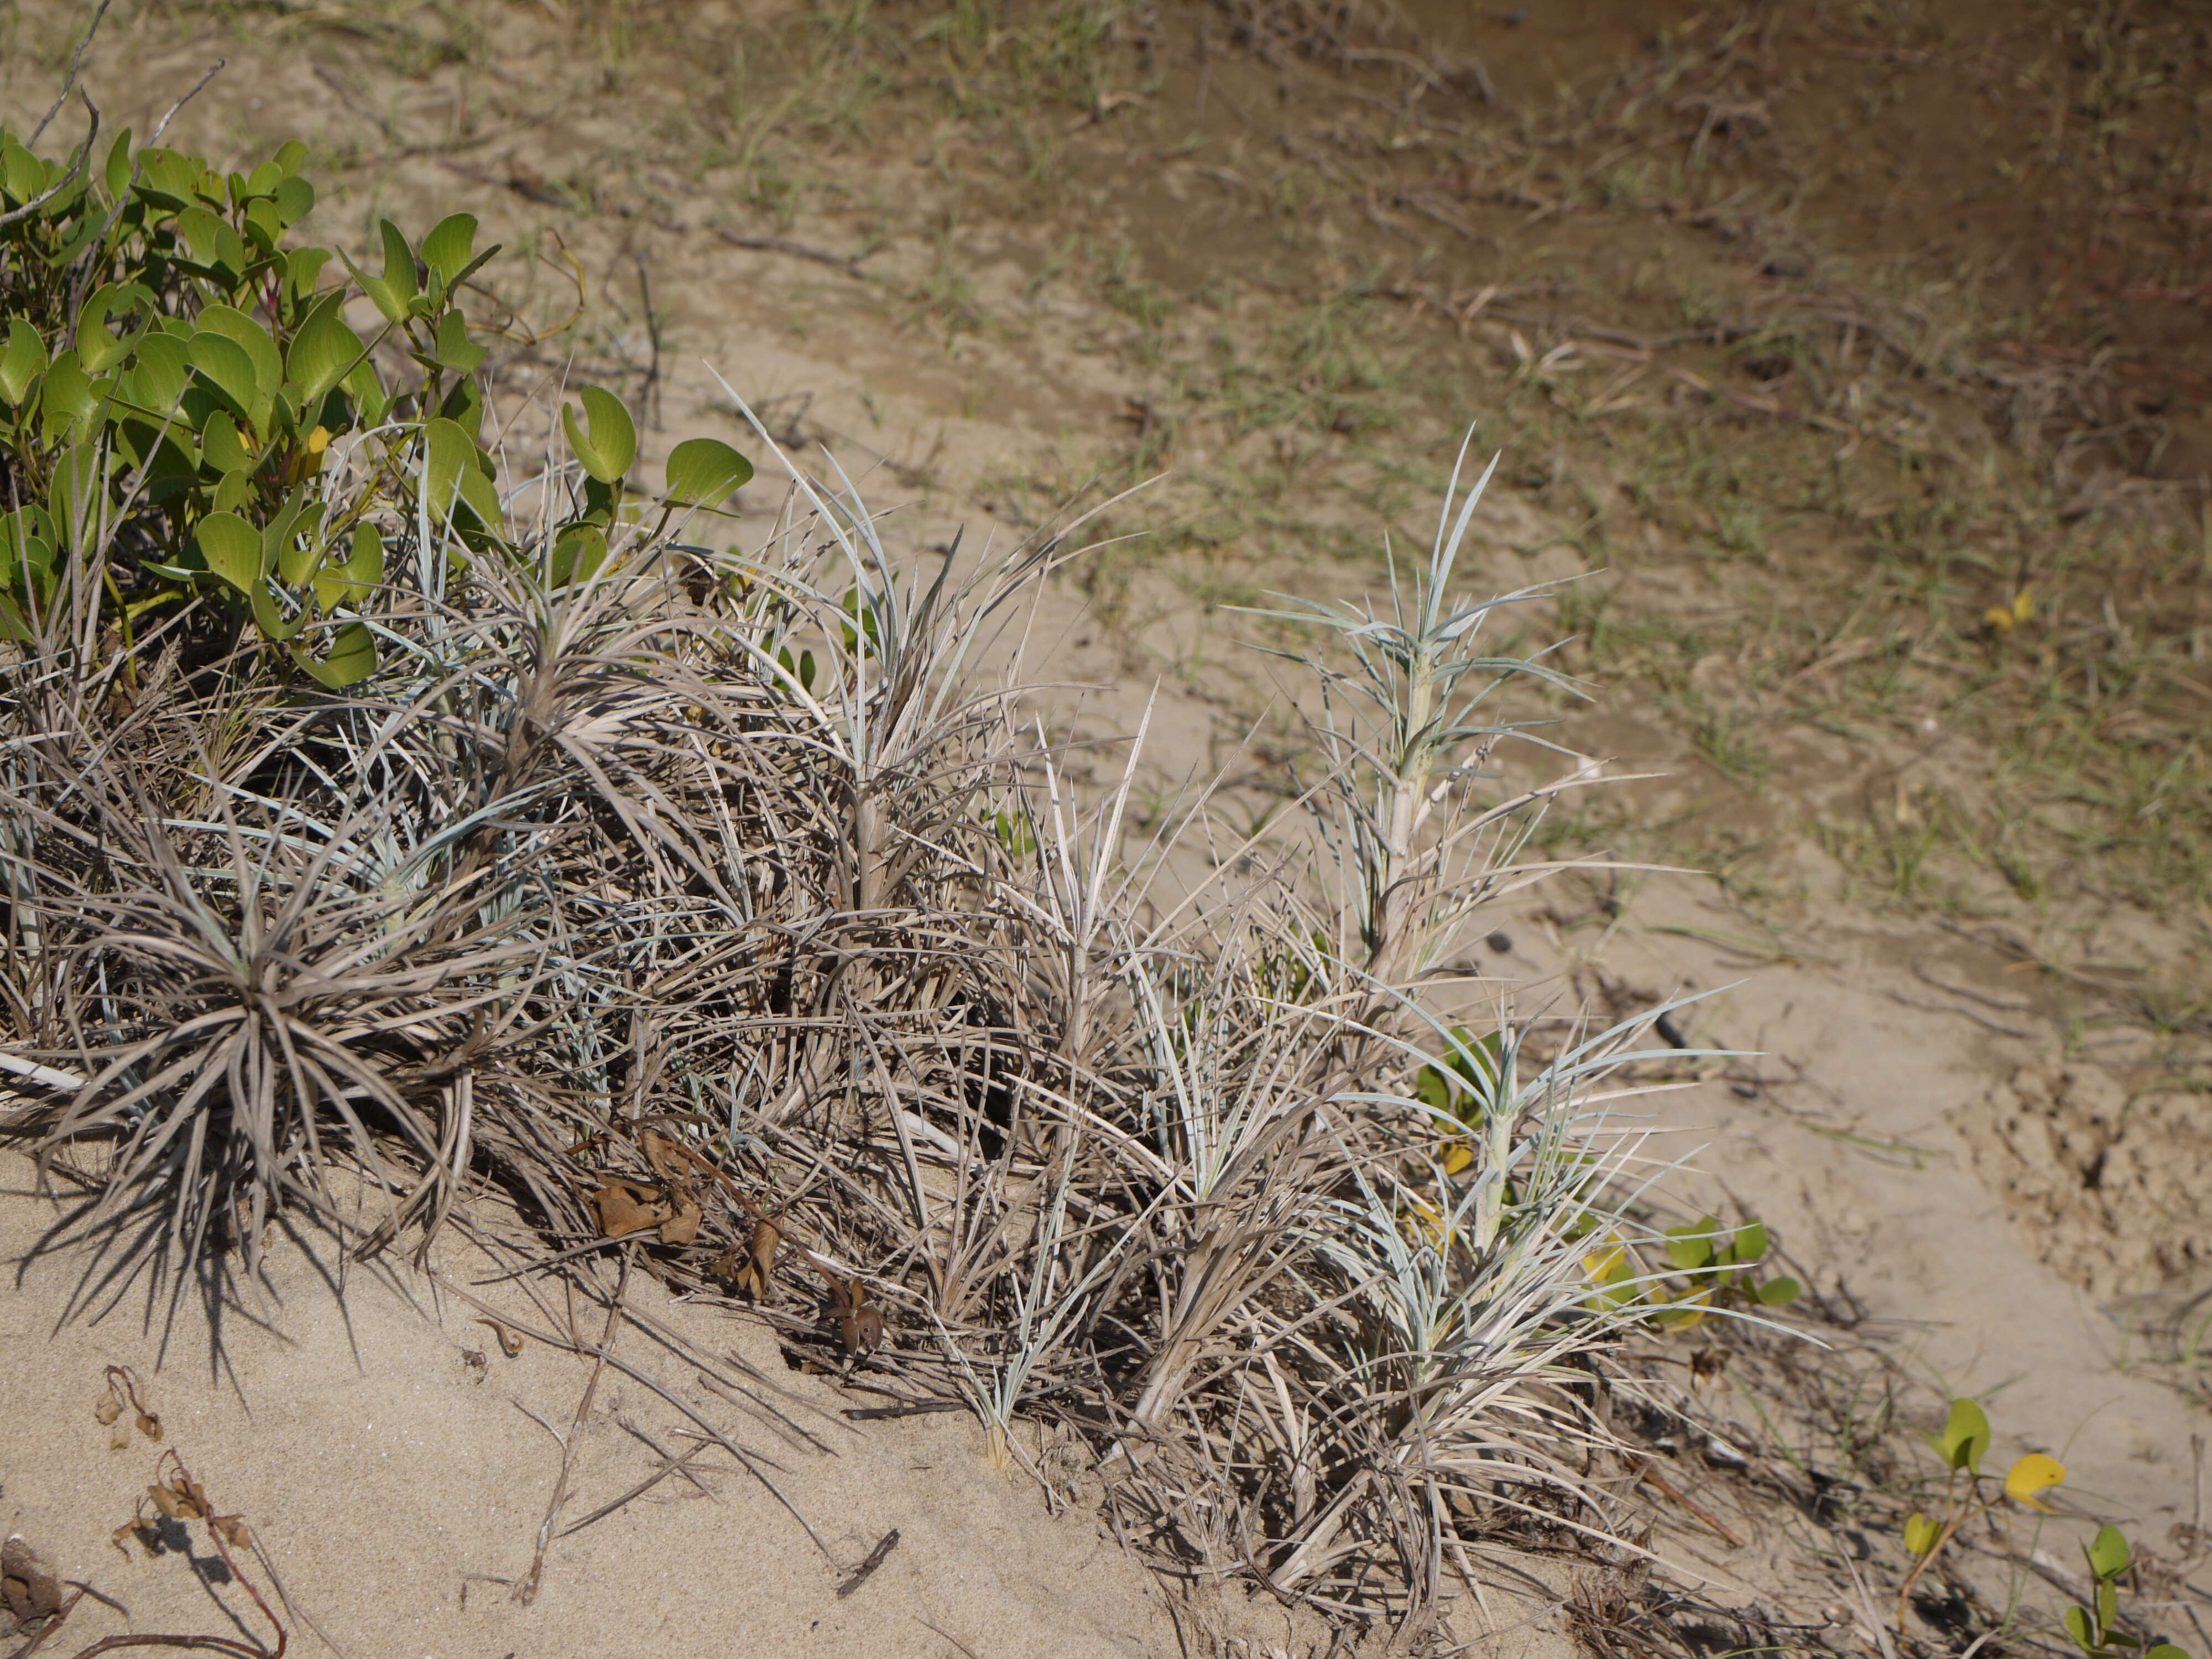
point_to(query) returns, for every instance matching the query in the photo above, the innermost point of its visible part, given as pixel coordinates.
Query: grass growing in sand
(401, 837)
(1821, 478)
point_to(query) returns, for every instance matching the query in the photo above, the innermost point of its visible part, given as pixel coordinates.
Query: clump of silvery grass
(713, 912)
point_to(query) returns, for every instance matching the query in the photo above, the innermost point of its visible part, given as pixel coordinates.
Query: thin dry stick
(526, 1591)
(290, 1606)
(668, 1466)
(749, 1461)
(69, 83)
(884, 1546)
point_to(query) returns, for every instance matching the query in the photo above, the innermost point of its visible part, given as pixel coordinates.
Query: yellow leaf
(1457, 1157)
(1921, 1533)
(2034, 1474)
(2024, 606)
(1606, 1265)
(2000, 617)
(1427, 1220)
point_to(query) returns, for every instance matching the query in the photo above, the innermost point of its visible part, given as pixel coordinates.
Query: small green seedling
(2095, 1629)
(1963, 1441)
(1722, 1269)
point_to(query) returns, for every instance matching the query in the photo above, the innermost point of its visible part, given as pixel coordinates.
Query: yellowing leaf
(1424, 1220)
(1921, 1533)
(1457, 1157)
(2034, 1474)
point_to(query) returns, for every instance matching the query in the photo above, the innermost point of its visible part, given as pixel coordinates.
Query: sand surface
(396, 1465)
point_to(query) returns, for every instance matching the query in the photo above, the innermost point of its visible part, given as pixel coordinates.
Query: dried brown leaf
(753, 1277)
(682, 1226)
(624, 1208)
(28, 1586)
(660, 1152)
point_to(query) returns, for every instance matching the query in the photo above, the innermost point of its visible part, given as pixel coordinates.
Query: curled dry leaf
(624, 1208)
(667, 1162)
(753, 1277)
(682, 1226)
(859, 1325)
(862, 1330)
(176, 1503)
(29, 1588)
(122, 1386)
(510, 1341)
(234, 1531)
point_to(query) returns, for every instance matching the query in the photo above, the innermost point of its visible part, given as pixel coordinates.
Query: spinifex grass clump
(710, 912)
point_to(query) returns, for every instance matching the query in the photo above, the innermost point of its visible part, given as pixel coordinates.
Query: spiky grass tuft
(706, 904)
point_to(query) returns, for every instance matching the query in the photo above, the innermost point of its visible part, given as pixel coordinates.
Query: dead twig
(526, 1591)
(884, 1546)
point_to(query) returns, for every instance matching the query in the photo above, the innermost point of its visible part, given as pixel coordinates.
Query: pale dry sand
(393, 1481)
(1869, 1125)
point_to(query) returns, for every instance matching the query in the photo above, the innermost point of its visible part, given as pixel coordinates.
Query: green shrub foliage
(198, 410)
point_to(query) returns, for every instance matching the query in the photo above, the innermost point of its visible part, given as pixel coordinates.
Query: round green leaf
(295, 199)
(1750, 1241)
(70, 397)
(351, 659)
(227, 370)
(1778, 1293)
(1965, 1436)
(117, 174)
(232, 549)
(456, 351)
(606, 453)
(95, 347)
(234, 324)
(225, 451)
(1691, 1248)
(2108, 1554)
(21, 172)
(706, 472)
(448, 248)
(578, 553)
(452, 469)
(21, 362)
(398, 265)
(324, 351)
(360, 575)
(447, 453)
(161, 369)
(2084, 1633)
